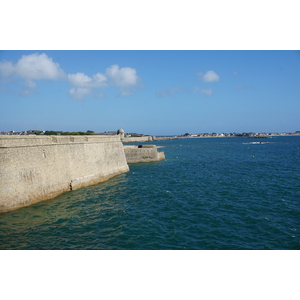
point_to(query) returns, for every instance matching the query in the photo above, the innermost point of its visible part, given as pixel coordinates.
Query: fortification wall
(137, 139)
(146, 153)
(35, 168)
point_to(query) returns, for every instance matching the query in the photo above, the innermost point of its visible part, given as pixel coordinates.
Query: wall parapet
(28, 141)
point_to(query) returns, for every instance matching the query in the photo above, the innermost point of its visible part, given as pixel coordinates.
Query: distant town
(245, 134)
(186, 135)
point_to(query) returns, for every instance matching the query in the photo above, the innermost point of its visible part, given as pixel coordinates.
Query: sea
(231, 193)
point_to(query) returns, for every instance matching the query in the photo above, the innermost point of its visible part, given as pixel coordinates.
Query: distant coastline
(132, 137)
(234, 134)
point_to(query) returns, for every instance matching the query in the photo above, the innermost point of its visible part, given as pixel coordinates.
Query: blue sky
(150, 92)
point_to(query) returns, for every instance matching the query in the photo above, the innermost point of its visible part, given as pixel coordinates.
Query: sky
(155, 92)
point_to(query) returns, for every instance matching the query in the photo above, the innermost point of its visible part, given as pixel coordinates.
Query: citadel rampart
(35, 168)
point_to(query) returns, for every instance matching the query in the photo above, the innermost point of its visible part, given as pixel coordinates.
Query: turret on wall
(121, 132)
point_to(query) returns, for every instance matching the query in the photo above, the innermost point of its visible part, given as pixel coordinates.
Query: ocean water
(209, 193)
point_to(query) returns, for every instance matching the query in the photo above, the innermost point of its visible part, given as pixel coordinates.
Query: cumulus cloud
(209, 76)
(37, 66)
(83, 84)
(125, 79)
(81, 80)
(31, 67)
(206, 92)
(168, 92)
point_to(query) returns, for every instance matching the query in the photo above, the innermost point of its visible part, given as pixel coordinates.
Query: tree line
(51, 132)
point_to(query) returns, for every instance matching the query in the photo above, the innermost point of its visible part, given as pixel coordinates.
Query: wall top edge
(29, 141)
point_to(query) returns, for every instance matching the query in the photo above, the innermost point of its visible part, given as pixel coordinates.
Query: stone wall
(146, 153)
(137, 139)
(35, 168)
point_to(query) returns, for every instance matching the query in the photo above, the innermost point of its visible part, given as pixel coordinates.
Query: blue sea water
(209, 193)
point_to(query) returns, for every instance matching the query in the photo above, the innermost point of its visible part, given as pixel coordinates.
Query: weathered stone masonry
(35, 168)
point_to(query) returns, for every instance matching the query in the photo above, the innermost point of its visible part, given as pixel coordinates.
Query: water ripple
(207, 194)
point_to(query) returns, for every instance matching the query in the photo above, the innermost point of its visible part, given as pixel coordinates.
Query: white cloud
(31, 67)
(81, 80)
(209, 76)
(84, 85)
(99, 80)
(38, 66)
(123, 77)
(79, 93)
(207, 92)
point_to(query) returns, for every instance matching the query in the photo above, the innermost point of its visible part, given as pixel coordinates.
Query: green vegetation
(51, 132)
(73, 133)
